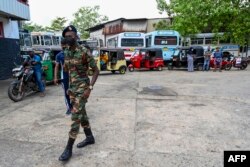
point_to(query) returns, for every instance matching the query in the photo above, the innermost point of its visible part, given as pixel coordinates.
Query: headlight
(17, 74)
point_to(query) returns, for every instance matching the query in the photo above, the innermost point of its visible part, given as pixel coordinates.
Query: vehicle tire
(170, 67)
(122, 70)
(113, 71)
(228, 67)
(13, 92)
(200, 67)
(159, 68)
(243, 66)
(151, 69)
(131, 69)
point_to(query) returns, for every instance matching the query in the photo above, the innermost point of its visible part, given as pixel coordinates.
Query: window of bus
(36, 40)
(1, 30)
(101, 43)
(55, 41)
(132, 42)
(165, 40)
(47, 40)
(195, 41)
(208, 41)
(112, 42)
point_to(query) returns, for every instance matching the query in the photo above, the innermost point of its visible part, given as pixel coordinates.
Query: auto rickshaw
(111, 60)
(179, 58)
(147, 58)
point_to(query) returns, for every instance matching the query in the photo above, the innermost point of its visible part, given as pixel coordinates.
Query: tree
(162, 25)
(31, 27)
(57, 24)
(87, 17)
(197, 16)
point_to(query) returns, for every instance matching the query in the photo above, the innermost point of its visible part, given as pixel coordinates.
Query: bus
(167, 40)
(25, 40)
(128, 41)
(213, 40)
(94, 44)
(45, 40)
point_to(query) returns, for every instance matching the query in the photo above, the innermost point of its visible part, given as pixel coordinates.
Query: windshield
(165, 40)
(132, 42)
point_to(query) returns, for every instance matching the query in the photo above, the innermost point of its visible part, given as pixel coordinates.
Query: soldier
(77, 61)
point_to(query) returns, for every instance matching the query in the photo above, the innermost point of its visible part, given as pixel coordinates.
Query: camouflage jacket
(77, 63)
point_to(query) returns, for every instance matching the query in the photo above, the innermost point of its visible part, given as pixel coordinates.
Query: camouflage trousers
(79, 116)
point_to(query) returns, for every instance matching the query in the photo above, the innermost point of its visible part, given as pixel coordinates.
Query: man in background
(64, 76)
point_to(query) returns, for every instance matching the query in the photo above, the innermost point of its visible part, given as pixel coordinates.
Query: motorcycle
(239, 63)
(24, 84)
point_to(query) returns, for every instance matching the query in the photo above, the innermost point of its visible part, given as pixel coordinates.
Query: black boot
(89, 138)
(67, 153)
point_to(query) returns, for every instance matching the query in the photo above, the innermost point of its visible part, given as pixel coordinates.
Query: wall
(134, 26)
(10, 28)
(98, 34)
(9, 48)
(9, 53)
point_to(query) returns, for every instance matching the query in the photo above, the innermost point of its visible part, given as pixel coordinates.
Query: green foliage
(32, 27)
(197, 16)
(87, 17)
(163, 25)
(57, 24)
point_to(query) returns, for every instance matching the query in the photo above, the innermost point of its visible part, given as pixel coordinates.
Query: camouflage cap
(69, 28)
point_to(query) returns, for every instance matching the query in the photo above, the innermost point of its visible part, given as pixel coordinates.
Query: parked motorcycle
(239, 63)
(24, 84)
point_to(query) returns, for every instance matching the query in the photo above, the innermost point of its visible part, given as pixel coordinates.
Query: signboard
(132, 34)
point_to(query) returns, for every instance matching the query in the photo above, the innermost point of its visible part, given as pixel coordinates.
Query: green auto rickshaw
(48, 62)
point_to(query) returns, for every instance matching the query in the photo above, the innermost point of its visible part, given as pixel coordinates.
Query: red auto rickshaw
(147, 58)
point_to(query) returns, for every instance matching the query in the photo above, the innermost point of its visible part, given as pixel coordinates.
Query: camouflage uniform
(77, 64)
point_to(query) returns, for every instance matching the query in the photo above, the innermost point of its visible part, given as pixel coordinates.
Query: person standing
(217, 59)
(190, 59)
(77, 60)
(64, 76)
(207, 59)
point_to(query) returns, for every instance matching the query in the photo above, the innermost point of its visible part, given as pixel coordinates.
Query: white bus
(128, 41)
(210, 39)
(44, 40)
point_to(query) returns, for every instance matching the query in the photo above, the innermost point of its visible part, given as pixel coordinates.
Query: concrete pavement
(140, 119)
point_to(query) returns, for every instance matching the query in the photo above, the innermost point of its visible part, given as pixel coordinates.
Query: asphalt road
(140, 119)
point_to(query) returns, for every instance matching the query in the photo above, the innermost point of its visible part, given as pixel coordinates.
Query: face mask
(70, 41)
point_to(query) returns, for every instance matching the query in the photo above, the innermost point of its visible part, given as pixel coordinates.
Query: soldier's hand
(86, 93)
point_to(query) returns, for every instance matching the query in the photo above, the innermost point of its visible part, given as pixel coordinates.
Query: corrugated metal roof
(14, 9)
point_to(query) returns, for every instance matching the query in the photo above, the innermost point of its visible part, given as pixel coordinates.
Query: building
(105, 30)
(11, 13)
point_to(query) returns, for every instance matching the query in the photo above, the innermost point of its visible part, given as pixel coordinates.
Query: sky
(43, 11)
